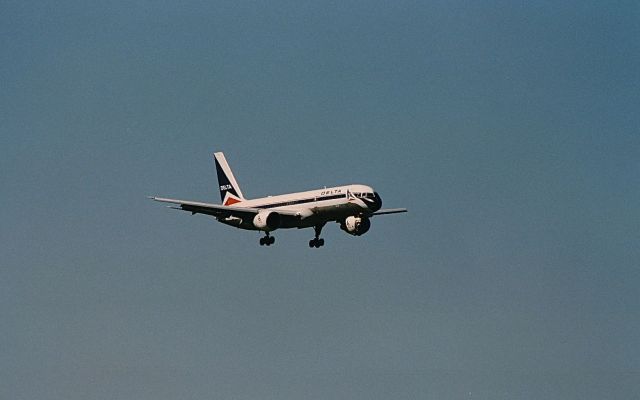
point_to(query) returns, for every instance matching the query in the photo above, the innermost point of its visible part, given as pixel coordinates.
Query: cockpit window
(364, 195)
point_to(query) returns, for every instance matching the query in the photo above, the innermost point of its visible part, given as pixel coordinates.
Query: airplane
(351, 206)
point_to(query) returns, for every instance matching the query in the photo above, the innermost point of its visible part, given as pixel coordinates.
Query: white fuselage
(314, 206)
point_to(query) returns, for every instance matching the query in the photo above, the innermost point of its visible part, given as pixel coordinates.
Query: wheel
(271, 240)
(262, 241)
(312, 243)
(320, 242)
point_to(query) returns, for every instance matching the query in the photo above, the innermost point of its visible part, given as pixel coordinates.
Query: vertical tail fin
(230, 192)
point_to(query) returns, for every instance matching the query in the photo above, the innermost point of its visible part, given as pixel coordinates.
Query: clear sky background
(511, 131)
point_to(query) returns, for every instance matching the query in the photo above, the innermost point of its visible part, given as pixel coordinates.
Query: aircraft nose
(377, 202)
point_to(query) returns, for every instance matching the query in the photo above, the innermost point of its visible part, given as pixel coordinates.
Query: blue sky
(510, 130)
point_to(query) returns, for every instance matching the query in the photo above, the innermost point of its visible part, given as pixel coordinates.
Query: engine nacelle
(356, 226)
(267, 221)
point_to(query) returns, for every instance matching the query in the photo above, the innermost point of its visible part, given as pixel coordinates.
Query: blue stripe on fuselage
(302, 201)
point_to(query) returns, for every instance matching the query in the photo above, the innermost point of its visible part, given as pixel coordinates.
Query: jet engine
(267, 221)
(356, 226)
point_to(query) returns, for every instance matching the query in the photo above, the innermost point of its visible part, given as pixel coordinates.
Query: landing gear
(267, 240)
(317, 242)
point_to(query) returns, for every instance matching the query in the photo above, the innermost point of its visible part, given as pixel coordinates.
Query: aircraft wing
(218, 210)
(390, 211)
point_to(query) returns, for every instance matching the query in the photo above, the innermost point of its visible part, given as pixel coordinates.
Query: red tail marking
(231, 201)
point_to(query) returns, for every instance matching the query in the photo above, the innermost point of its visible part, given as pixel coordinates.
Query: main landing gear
(267, 240)
(317, 242)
